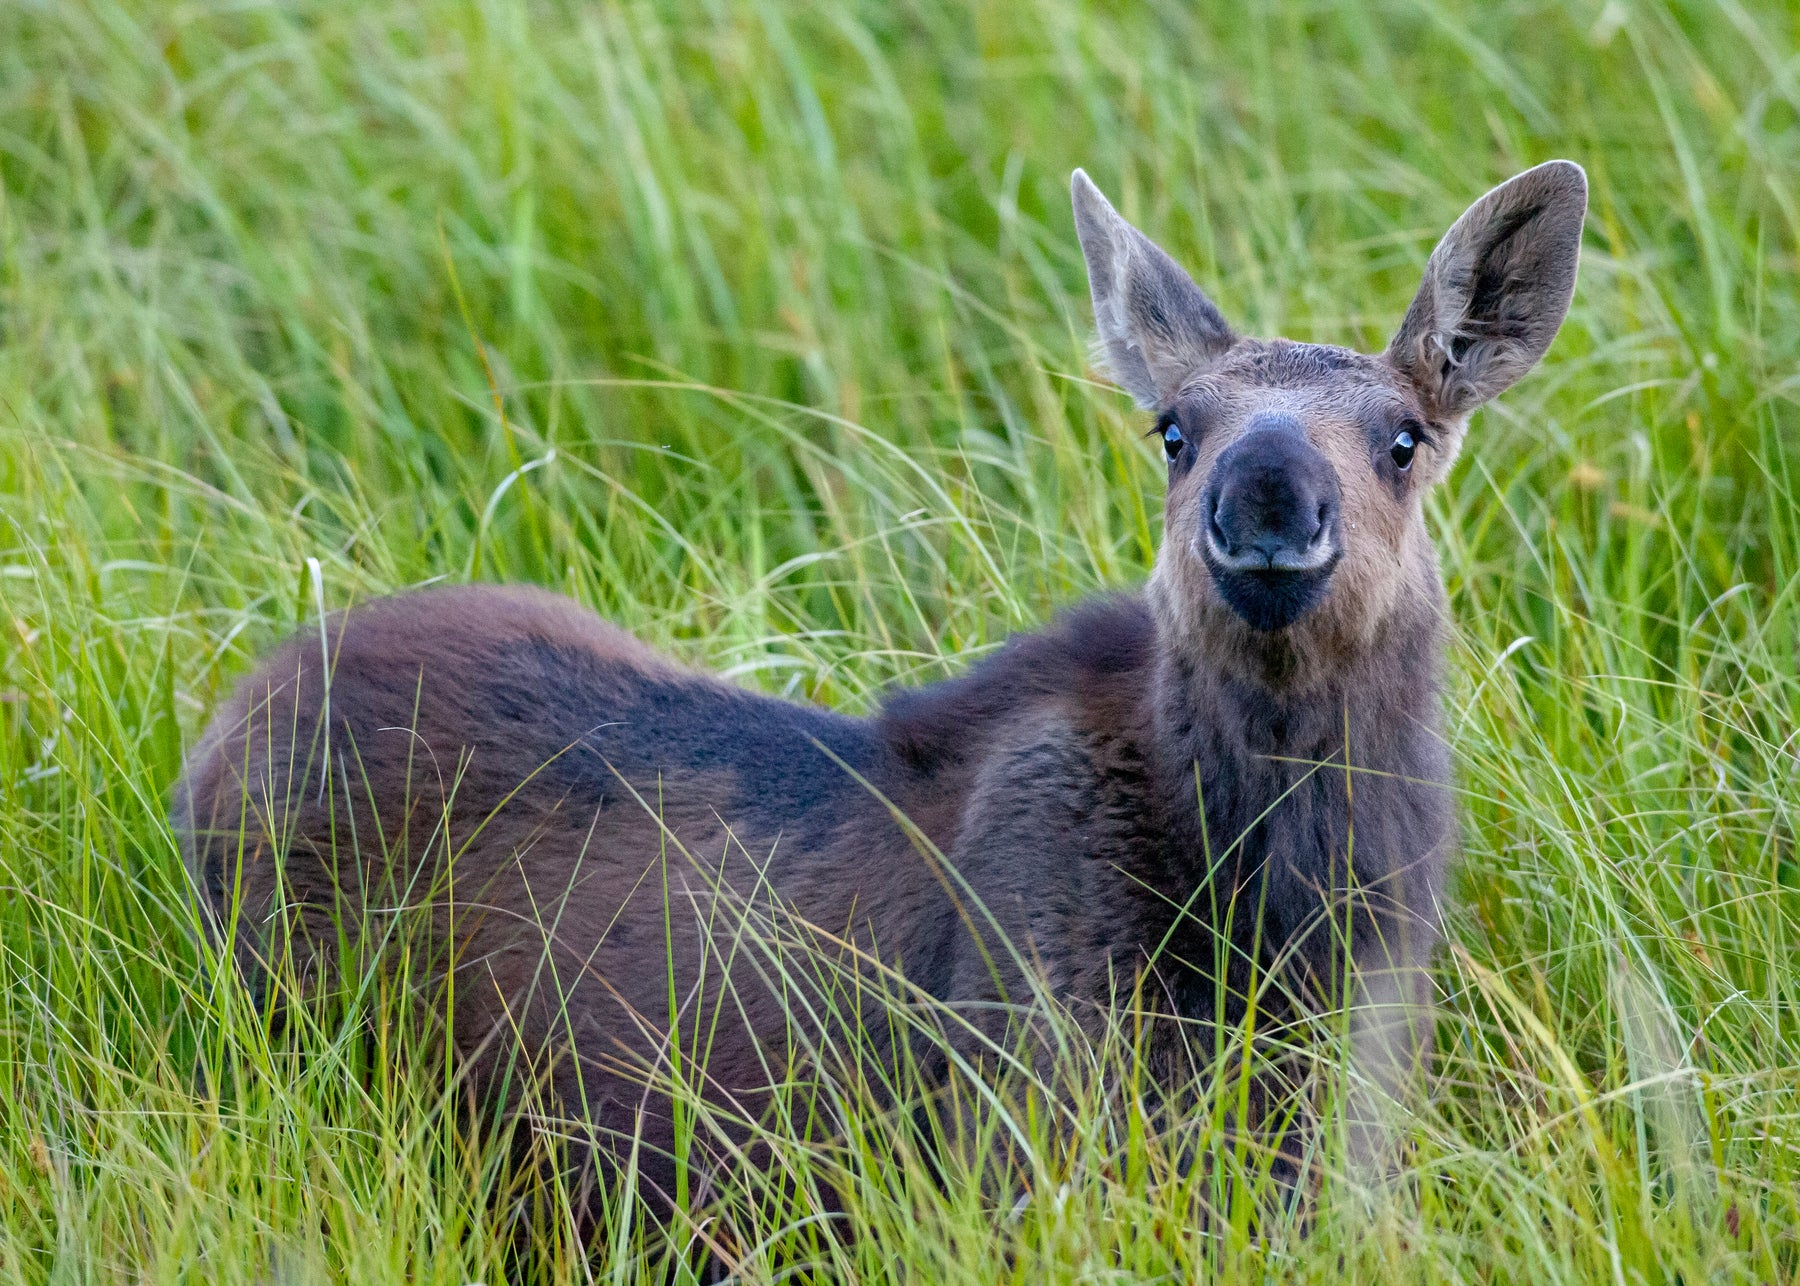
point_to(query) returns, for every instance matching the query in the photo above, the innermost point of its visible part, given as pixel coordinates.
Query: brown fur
(1149, 784)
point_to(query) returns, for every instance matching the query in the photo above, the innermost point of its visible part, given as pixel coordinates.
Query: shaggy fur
(1151, 787)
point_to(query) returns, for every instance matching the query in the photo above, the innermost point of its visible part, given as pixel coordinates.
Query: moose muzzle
(1271, 530)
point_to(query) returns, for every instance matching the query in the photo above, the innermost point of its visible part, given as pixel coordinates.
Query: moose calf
(1240, 768)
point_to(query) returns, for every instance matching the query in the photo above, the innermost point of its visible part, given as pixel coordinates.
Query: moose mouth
(1270, 532)
(1271, 598)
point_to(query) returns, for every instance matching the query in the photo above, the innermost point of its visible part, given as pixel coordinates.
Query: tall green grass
(761, 329)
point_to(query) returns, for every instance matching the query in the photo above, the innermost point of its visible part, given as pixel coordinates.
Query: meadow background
(761, 328)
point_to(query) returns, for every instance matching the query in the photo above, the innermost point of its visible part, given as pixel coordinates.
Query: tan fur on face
(1343, 401)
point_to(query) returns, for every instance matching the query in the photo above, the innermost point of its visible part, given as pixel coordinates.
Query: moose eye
(1172, 440)
(1401, 453)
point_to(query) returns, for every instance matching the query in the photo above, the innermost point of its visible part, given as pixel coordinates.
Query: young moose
(1239, 769)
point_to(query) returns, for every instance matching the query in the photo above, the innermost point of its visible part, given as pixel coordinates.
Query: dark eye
(1172, 440)
(1401, 453)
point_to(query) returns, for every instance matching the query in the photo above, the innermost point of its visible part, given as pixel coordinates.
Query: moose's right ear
(1156, 326)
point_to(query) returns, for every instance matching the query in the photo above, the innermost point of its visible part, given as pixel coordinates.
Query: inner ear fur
(1495, 292)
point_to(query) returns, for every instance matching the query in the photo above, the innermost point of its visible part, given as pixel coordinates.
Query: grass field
(761, 328)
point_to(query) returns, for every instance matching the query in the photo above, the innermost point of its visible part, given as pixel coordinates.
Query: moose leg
(1390, 1024)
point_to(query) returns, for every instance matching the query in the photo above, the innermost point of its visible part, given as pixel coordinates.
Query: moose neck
(1230, 735)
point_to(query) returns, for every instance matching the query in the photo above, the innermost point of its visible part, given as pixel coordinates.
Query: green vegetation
(761, 329)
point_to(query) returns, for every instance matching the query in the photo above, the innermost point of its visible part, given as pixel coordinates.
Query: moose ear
(1156, 326)
(1495, 290)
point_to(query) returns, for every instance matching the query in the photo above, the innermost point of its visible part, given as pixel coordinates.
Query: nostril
(1217, 532)
(1324, 521)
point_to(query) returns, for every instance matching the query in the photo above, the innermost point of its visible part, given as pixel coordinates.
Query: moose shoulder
(1239, 769)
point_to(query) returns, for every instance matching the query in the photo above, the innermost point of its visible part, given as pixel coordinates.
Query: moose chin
(568, 809)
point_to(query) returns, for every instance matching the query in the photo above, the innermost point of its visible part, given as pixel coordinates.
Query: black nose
(1272, 503)
(1271, 513)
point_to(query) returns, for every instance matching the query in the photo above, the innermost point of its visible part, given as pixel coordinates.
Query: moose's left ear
(1495, 290)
